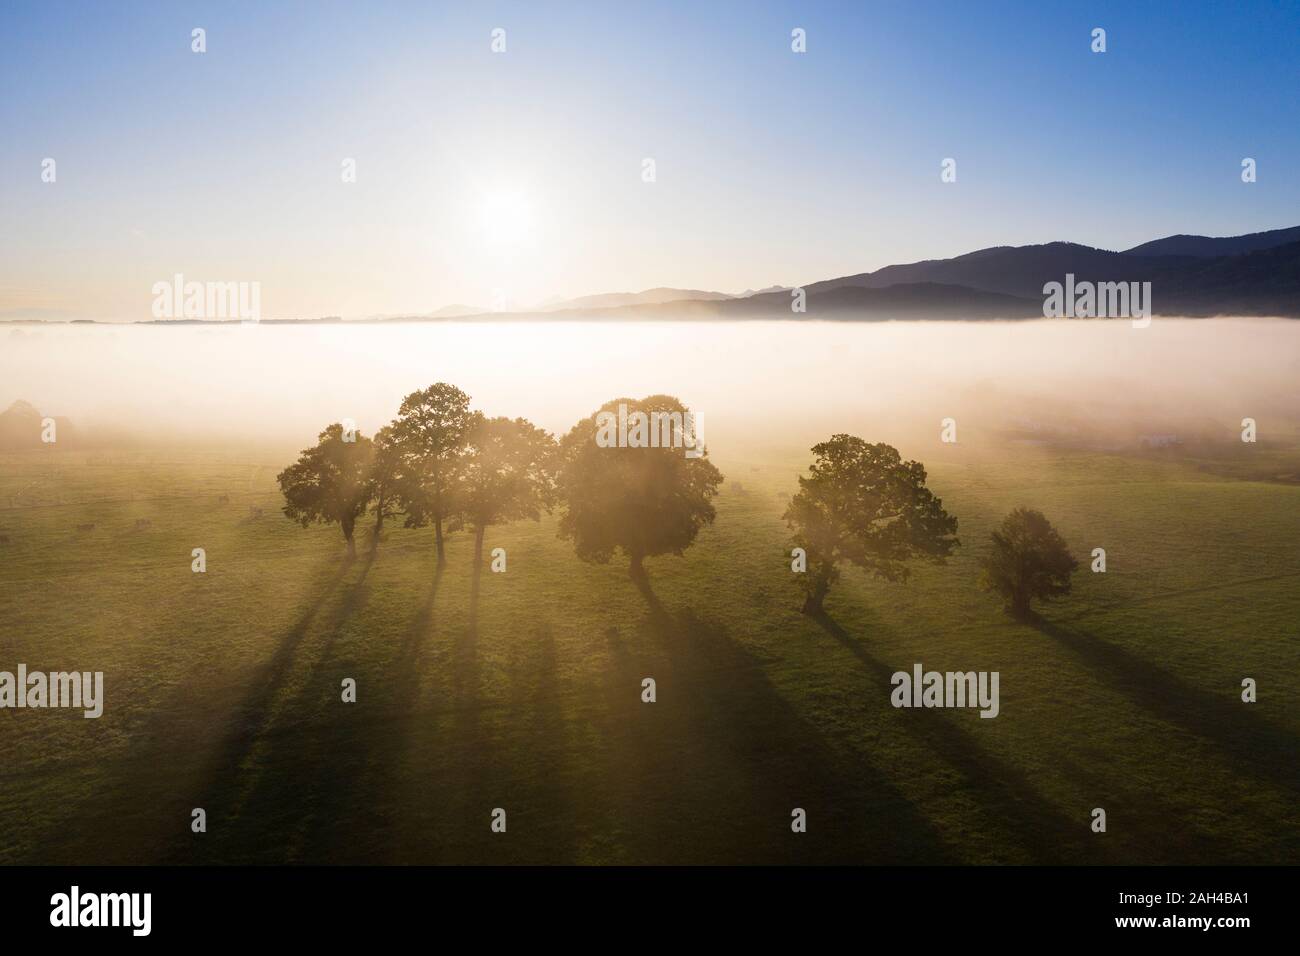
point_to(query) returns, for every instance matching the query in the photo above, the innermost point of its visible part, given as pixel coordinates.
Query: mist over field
(522, 689)
(758, 384)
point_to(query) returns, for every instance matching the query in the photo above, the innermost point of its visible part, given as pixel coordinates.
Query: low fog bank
(774, 385)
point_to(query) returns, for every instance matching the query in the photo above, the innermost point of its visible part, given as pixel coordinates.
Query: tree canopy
(861, 503)
(643, 501)
(389, 476)
(330, 482)
(507, 473)
(1029, 561)
(430, 431)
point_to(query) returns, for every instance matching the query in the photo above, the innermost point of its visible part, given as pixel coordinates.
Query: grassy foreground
(223, 689)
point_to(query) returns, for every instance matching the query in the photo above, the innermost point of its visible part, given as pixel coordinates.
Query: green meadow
(523, 690)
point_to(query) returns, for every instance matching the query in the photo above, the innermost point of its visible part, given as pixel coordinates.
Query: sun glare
(507, 217)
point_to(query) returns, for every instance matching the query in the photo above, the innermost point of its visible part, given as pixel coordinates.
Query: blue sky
(771, 167)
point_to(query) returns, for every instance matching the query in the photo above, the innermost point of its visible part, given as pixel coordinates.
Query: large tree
(1030, 560)
(507, 474)
(330, 482)
(629, 496)
(388, 477)
(430, 430)
(861, 503)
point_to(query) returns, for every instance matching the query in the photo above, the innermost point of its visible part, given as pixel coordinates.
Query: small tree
(1029, 560)
(507, 474)
(330, 482)
(863, 504)
(642, 500)
(430, 431)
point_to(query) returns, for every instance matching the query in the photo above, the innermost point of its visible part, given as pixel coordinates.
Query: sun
(507, 217)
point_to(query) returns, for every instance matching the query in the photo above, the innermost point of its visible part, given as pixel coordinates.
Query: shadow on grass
(495, 738)
(742, 758)
(352, 773)
(239, 806)
(1046, 834)
(142, 813)
(410, 780)
(1251, 744)
(355, 774)
(475, 588)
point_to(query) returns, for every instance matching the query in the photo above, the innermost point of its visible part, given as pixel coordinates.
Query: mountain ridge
(1254, 274)
(1190, 275)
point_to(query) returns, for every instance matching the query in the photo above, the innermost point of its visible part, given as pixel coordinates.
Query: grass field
(223, 689)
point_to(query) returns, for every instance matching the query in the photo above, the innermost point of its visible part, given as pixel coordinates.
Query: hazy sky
(522, 171)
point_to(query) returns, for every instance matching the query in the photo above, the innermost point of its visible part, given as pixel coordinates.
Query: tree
(430, 430)
(507, 474)
(863, 504)
(330, 482)
(388, 478)
(630, 497)
(1029, 560)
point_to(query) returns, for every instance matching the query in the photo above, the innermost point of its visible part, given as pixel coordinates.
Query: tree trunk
(347, 535)
(475, 580)
(437, 538)
(813, 603)
(1020, 606)
(636, 570)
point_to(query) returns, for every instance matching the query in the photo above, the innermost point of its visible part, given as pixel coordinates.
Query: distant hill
(1207, 246)
(36, 315)
(1013, 270)
(771, 288)
(916, 300)
(1256, 274)
(904, 300)
(614, 300)
(451, 311)
(1264, 282)
(1007, 282)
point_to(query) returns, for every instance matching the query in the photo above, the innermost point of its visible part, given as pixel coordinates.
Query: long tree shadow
(488, 749)
(406, 683)
(331, 783)
(475, 588)
(657, 611)
(522, 760)
(466, 694)
(272, 797)
(1045, 833)
(380, 791)
(144, 816)
(746, 759)
(1252, 744)
(465, 754)
(356, 777)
